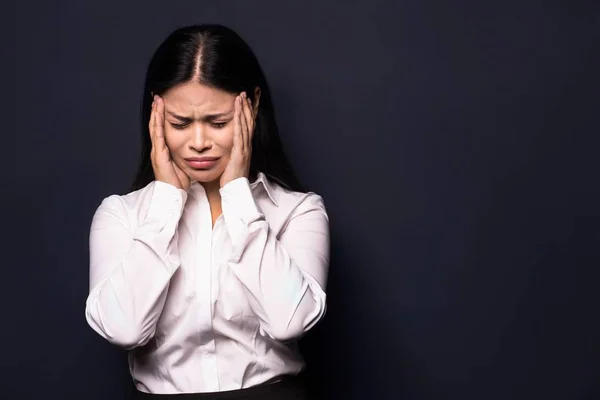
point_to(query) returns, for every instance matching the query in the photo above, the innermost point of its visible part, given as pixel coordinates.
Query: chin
(205, 176)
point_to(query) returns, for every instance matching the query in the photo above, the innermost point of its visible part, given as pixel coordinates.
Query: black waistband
(286, 387)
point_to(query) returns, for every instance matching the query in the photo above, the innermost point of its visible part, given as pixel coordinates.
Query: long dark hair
(226, 63)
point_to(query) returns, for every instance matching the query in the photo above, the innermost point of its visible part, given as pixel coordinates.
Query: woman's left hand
(243, 130)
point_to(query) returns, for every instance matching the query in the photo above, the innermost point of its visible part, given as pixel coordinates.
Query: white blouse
(206, 309)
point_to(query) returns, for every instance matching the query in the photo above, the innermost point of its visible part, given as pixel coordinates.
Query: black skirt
(287, 388)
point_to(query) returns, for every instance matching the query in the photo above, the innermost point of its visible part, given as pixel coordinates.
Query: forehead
(193, 96)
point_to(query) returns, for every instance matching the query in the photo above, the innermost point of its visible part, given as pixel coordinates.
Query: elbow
(130, 339)
(300, 323)
(124, 335)
(286, 334)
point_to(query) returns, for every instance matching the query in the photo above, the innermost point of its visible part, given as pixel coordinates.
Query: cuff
(167, 203)
(239, 208)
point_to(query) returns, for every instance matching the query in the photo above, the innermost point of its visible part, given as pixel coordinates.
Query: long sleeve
(131, 264)
(285, 276)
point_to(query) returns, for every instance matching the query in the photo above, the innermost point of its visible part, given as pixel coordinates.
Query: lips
(201, 159)
(201, 163)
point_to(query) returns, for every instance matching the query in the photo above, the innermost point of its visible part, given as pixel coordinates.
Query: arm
(130, 270)
(285, 277)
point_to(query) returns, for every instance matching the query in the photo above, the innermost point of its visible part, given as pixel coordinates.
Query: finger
(244, 122)
(248, 119)
(160, 124)
(151, 122)
(253, 109)
(237, 126)
(252, 120)
(242, 136)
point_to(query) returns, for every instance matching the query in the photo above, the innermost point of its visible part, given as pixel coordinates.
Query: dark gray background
(456, 146)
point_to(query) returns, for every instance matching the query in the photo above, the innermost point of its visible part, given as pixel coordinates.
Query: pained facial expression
(199, 123)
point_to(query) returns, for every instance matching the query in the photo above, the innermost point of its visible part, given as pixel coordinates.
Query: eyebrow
(208, 117)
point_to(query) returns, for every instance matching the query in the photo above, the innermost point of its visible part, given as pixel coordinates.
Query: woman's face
(199, 123)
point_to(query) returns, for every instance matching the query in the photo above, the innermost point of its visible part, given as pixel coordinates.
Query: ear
(256, 101)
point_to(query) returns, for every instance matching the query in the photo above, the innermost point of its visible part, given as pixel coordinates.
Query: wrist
(225, 180)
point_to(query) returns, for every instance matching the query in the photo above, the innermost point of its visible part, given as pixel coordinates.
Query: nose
(199, 140)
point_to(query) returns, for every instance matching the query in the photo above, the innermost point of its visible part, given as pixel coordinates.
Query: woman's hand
(165, 169)
(243, 130)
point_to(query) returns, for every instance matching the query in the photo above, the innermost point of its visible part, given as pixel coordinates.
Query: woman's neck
(214, 198)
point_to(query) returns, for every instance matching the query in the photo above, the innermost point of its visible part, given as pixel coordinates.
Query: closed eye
(183, 125)
(219, 125)
(179, 126)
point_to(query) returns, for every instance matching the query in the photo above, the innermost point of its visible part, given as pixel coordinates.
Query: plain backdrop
(455, 144)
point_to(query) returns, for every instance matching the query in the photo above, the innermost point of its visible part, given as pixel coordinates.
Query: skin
(194, 120)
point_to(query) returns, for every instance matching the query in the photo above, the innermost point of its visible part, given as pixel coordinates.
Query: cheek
(224, 138)
(173, 140)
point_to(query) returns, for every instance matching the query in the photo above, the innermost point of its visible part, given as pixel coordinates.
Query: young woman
(217, 261)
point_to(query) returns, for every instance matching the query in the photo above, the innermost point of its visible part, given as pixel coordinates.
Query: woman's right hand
(165, 169)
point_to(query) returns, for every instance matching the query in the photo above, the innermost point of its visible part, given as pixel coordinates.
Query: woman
(216, 262)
